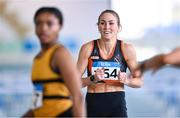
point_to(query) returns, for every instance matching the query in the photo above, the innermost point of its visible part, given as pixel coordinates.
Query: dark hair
(112, 12)
(52, 10)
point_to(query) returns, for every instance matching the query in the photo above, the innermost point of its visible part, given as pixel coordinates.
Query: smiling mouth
(107, 32)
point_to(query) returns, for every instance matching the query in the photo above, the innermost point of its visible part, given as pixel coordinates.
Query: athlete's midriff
(105, 87)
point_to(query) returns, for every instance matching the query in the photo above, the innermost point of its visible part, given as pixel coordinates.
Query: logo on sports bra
(118, 59)
(94, 57)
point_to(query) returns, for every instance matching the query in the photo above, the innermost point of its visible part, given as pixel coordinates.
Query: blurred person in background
(106, 60)
(54, 73)
(157, 62)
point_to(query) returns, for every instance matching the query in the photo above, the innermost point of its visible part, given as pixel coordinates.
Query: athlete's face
(47, 27)
(108, 26)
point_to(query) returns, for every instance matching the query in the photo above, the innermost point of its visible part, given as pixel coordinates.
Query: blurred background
(152, 26)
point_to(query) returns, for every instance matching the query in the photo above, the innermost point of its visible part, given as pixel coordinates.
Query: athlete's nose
(106, 26)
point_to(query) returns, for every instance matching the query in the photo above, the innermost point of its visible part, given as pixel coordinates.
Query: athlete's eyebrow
(108, 20)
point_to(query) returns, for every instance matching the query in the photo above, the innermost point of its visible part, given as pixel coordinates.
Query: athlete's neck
(107, 46)
(45, 47)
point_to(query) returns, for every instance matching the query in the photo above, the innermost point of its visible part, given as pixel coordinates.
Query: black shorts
(67, 113)
(110, 104)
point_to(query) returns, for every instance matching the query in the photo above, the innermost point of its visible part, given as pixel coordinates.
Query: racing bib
(38, 95)
(111, 69)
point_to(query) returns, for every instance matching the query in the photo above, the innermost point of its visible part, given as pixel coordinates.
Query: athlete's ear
(120, 28)
(60, 27)
(98, 28)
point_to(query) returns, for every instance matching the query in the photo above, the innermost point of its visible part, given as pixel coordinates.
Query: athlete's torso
(51, 85)
(112, 65)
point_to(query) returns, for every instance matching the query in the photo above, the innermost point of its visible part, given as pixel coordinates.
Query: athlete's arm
(69, 72)
(82, 63)
(158, 61)
(173, 58)
(134, 80)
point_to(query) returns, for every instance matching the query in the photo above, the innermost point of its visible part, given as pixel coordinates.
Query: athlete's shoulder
(37, 55)
(61, 52)
(88, 47)
(128, 50)
(60, 46)
(176, 49)
(89, 44)
(127, 46)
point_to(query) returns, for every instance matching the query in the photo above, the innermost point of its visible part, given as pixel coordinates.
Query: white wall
(80, 23)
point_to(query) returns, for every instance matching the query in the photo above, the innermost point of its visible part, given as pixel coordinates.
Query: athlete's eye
(102, 23)
(38, 23)
(111, 23)
(49, 23)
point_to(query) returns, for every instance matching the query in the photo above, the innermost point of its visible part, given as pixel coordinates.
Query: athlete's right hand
(154, 63)
(99, 74)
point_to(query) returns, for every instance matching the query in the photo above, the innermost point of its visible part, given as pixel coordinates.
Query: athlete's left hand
(123, 77)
